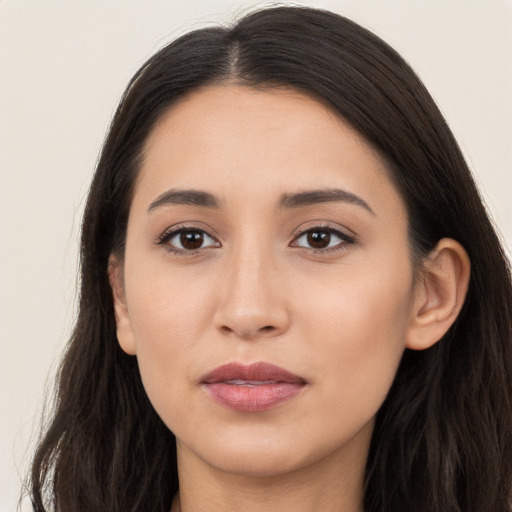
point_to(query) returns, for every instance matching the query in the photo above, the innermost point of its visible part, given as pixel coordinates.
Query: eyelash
(345, 239)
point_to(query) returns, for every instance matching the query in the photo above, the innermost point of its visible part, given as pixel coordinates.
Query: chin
(255, 453)
(251, 454)
(258, 462)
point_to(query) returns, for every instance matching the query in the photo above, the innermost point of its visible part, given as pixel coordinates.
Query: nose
(252, 301)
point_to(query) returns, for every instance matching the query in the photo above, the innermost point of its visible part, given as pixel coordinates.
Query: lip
(251, 388)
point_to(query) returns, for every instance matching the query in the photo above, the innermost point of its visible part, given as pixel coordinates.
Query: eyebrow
(188, 197)
(191, 197)
(327, 195)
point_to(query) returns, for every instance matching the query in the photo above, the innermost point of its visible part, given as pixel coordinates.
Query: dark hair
(442, 440)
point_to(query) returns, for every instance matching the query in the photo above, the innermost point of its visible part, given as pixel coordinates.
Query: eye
(185, 239)
(322, 239)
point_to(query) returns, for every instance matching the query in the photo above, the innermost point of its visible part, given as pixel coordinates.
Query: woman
(292, 297)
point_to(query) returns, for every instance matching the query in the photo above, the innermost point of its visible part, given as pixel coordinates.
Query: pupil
(192, 239)
(319, 239)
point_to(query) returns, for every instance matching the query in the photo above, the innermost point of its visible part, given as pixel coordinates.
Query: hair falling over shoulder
(443, 437)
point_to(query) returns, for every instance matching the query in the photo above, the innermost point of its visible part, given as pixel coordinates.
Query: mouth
(251, 388)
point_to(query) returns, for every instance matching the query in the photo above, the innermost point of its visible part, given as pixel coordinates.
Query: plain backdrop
(63, 67)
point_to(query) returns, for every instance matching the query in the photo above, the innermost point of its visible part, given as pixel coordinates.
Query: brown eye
(323, 239)
(191, 240)
(319, 239)
(185, 240)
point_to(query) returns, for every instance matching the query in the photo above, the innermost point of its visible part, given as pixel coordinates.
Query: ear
(440, 293)
(123, 324)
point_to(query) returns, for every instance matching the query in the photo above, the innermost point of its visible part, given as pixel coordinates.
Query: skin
(256, 290)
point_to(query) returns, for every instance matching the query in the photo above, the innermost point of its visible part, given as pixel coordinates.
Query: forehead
(214, 115)
(230, 138)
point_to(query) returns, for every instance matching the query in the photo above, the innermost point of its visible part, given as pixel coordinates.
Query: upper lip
(254, 372)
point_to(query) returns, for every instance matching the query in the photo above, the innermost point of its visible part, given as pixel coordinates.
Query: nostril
(248, 333)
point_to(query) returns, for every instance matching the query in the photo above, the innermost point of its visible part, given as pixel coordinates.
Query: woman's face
(264, 231)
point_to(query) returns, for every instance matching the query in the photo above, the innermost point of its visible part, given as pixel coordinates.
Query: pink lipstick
(251, 388)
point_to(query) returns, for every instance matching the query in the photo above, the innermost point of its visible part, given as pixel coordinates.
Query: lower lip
(252, 398)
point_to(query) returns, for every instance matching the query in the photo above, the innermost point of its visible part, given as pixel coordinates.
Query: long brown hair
(443, 438)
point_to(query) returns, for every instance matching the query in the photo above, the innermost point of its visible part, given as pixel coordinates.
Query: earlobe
(440, 294)
(123, 324)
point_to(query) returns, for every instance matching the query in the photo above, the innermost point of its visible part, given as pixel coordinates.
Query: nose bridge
(251, 304)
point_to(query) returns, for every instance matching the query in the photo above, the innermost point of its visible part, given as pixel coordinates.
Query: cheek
(168, 314)
(165, 304)
(356, 327)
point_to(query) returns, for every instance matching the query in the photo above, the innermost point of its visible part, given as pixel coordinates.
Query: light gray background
(63, 67)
